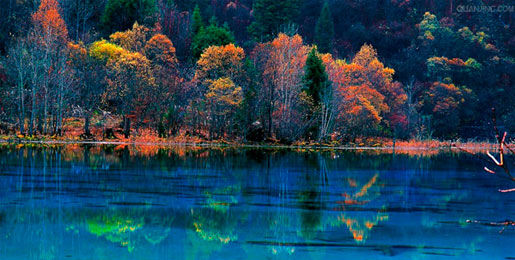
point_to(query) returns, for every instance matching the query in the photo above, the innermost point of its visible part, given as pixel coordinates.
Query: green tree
(197, 23)
(212, 35)
(315, 78)
(120, 15)
(316, 85)
(270, 15)
(324, 31)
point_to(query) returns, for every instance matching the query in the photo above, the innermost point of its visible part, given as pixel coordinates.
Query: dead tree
(499, 164)
(503, 148)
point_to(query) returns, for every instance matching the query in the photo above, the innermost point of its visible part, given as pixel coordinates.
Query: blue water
(126, 202)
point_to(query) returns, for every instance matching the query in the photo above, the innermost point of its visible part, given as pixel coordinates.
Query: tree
(212, 35)
(380, 78)
(161, 54)
(324, 31)
(120, 15)
(131, 87)
(220, 61)
(315, 77)
(197, 24)
(133, 40)
(316, 86)
(360, 106)
(282, 76)
(442, 100)
(223, 98)
(214, 63)
(270, 15)
(50, 71)
(90, 69)
(48, 23)
(18, 62)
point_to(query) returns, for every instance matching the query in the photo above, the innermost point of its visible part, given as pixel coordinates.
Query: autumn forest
(322, 71)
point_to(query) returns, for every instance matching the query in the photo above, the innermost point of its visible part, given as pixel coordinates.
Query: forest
(256, 70)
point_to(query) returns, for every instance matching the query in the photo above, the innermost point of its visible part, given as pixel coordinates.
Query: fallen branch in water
(504, 224)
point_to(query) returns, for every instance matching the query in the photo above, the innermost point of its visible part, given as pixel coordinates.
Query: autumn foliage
(241, 76)
(48, 21)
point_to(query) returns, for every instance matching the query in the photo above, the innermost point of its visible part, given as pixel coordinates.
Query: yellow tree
(220, 61)
(214, 63)
(223, 99)
(104, 51)
(131, 88)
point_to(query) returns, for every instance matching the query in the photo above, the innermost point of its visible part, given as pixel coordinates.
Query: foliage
(283, 74)
(132, 40)
(212, 35)
(223, 96)
(103, 51)
(48, 21)
(197, 24)
(131, 87)
(220, 61)
(420, 74)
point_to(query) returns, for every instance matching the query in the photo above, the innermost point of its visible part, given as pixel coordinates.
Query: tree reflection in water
(129, 228)
(360, 224)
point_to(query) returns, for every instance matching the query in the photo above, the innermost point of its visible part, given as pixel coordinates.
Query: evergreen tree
(197, 23)
(315, 77)
(316, 84)
(120, 15)
(209, 36)
(270, 15)
(324, 31)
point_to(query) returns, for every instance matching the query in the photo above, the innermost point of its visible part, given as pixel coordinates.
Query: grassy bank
(359, 143)
(73, 134)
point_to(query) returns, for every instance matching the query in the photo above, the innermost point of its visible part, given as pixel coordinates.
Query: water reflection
(147, 202)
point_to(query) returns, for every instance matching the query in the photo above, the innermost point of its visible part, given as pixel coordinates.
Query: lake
(150, 202)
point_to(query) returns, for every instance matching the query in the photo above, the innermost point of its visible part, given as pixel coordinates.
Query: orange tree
(161, 53)
(282, 75)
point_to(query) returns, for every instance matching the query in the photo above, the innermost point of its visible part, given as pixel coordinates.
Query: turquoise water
(123, 202)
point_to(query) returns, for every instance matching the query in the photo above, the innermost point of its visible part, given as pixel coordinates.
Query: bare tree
(18, 68)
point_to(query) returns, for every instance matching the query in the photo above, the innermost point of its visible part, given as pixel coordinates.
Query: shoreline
(403, 145)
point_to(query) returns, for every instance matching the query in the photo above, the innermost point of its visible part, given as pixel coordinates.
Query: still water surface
(147, 202)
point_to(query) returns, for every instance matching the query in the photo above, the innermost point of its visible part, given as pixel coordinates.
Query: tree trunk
(86, 124)
(127, 127)
(33, 111)
(22, 110)
(45, 111)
